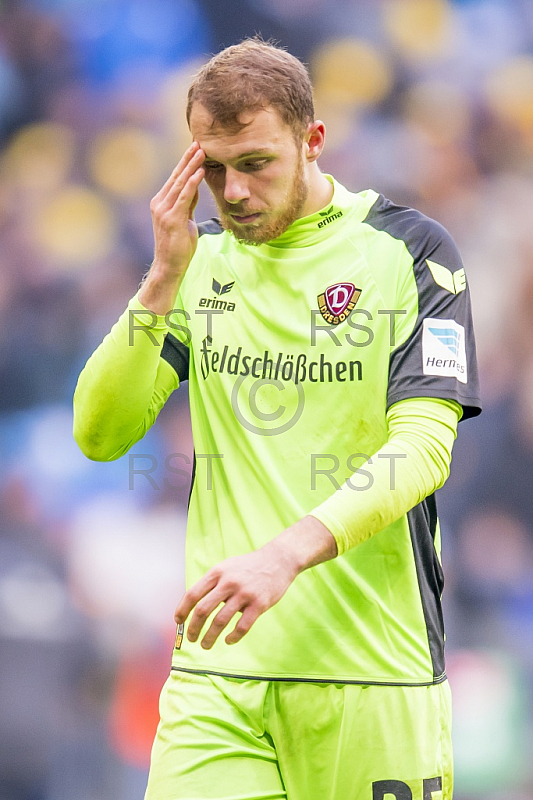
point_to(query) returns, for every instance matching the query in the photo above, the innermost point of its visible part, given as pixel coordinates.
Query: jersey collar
(319, 226)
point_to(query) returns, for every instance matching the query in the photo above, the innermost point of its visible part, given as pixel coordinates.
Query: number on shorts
(400, 790)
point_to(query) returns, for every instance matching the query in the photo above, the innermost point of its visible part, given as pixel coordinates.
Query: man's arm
(123, 386)
(421, 436)
(125, 383)
(414, 462)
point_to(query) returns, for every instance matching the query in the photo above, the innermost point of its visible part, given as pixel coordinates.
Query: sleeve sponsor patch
(443, 349)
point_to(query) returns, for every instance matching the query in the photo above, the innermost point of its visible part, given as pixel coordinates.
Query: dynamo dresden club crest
(337, 302)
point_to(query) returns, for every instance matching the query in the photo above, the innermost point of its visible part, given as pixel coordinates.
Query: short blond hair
(251, 76)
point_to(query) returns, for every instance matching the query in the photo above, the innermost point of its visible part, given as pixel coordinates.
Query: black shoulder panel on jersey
(421, 234)
(177, 355)
(211, 226)
(424, 238)
(422, 520)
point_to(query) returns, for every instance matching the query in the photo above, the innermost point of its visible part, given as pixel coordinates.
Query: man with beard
(328, 344)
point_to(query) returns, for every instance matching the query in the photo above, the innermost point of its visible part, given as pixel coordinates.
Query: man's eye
(212, 167)
(256, 164)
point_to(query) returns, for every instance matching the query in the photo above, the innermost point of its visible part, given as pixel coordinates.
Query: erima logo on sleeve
(443, 349)
(453, 282)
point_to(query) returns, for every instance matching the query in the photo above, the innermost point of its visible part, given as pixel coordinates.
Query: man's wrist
(305, 544)
(159, 290)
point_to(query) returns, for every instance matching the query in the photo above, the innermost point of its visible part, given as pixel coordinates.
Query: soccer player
(327, 340)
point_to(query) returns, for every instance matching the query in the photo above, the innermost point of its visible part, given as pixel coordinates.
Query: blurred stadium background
(428, 101)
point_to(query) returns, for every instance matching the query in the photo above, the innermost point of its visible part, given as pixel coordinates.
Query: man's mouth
(244, 219)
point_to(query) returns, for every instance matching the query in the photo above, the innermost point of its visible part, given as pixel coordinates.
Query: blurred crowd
(427, 101)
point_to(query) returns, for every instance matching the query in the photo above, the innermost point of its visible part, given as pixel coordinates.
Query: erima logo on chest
(216, 303)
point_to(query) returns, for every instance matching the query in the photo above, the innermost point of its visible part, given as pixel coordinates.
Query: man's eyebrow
(258, 152)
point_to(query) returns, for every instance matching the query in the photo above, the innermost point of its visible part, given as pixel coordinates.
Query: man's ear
(315, 138)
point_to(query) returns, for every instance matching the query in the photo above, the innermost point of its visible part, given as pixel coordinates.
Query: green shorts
(234, 739)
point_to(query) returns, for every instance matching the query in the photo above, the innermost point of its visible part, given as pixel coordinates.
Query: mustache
(239, 212)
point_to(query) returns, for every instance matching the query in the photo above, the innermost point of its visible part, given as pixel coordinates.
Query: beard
(277, 222)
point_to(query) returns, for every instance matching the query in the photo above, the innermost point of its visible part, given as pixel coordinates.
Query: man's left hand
(249, 584)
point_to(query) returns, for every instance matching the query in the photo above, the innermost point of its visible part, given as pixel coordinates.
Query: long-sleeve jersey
(327, 370)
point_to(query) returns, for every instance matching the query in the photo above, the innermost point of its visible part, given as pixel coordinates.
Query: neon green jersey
(310, 339)
(295, 351)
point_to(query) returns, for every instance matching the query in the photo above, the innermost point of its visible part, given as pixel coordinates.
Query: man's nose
(236, 187)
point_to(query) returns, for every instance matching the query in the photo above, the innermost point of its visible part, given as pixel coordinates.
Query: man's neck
(320, 192)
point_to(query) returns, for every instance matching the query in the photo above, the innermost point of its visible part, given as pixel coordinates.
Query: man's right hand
(175, 232)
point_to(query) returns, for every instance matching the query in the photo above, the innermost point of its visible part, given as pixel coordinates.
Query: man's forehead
(261, 130)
